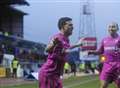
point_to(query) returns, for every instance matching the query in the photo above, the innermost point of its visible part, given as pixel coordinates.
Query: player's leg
(55, 82)
(43, 82)
(117, 83)
(16, 73)
(58, 83)
(107, 75)
(104, 84)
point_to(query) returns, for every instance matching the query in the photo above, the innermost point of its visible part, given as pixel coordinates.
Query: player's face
(113, 28)
(68, 28)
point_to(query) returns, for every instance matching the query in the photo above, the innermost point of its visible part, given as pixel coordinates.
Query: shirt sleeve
(52, 39)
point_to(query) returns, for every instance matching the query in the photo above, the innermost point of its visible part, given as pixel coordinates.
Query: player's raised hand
(80, 42)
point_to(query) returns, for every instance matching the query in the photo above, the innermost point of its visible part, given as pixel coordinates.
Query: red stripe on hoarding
(88, 47)
(90, 39)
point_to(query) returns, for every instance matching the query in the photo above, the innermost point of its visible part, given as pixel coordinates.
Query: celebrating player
(50, 72)
(110, 48)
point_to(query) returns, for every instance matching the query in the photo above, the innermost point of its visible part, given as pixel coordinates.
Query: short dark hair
(62, 21)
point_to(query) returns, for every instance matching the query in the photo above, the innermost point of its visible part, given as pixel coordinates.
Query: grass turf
(71, 82)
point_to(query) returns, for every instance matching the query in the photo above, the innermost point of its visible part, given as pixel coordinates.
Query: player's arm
(50, 47)
(75, 46)
(97, 52)
(78, 44)
(18, 64)
(68, 50)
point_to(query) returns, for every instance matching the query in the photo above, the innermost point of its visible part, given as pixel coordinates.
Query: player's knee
(104, 86)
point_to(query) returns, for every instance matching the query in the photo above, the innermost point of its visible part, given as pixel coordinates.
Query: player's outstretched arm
(75, 46)
(72, 47)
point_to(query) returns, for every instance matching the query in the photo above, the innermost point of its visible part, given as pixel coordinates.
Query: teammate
(110, 48)
(50, 72)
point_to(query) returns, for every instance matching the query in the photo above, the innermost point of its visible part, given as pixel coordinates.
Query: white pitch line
(69, 86)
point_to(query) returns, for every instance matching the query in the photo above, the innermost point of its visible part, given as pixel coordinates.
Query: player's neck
(64, 34)
(114, 35)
